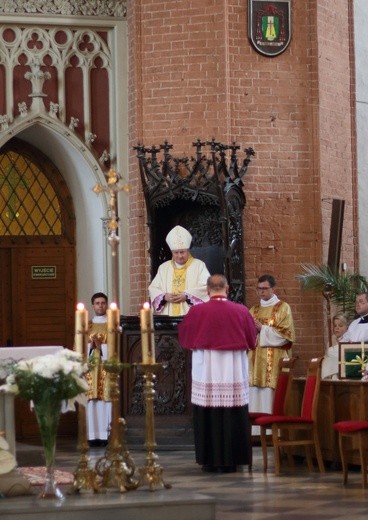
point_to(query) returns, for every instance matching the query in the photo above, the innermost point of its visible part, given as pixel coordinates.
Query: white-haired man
(180, 282)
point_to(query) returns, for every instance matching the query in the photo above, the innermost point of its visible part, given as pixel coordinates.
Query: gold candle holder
(151, 472)
(84, 476)
(116, 468)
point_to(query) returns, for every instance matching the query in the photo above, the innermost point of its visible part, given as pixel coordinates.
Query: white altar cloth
(18, 353)
(7, 420)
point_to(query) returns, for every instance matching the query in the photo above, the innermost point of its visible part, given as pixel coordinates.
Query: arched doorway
(37, 255)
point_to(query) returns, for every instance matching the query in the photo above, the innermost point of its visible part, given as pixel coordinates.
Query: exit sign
(43, 272)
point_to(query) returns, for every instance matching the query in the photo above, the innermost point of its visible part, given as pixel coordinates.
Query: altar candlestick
(81, 327)
(113, 327)
(147, 335)
(151, 342)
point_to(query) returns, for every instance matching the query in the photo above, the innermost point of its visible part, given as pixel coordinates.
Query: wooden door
(37, 295)
(6, 329)
(43, 288)
(37, 259)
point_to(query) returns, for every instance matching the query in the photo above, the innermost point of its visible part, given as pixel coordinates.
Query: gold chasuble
(264, 361)
(178, 284)
(97, 379)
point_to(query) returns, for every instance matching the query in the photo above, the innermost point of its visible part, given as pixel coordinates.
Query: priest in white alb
(99, 405)
(275, 326)
(180, 282)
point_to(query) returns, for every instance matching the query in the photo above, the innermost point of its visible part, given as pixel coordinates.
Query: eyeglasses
(263, 288)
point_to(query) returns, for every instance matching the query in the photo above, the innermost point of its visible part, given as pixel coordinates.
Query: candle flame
(80, 307)
(146, 306)
(113, 306)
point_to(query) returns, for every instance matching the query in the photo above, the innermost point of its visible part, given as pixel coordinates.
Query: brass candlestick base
(151, 472)
(84, 477)
(116, 468)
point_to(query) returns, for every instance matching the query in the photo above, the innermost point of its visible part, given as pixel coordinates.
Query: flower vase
(48, 417)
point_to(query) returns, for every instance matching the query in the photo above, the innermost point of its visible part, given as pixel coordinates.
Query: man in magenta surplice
(220, 333)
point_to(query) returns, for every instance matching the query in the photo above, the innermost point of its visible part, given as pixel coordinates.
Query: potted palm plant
(338, 288)
(342, 287)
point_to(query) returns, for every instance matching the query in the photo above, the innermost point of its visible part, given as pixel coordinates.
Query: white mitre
(179, 238)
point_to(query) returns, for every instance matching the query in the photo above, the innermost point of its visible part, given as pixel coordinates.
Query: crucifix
(112, 188)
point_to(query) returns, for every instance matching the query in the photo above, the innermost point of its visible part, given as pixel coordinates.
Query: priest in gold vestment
(99, 405)
(180, 282)
(274, 322)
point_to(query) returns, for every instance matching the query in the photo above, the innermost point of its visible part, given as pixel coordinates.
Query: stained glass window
(28, 202)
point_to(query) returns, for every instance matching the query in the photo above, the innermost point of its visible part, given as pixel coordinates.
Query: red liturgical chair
(289, 431)
(355, 430)
(282, 391)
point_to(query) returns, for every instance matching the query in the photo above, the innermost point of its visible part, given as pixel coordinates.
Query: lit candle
(147, 335)
(81, 328)
(113, 328)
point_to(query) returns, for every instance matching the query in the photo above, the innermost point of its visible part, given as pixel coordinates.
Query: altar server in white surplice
(358, 329)
(99, 404)
(180, 282)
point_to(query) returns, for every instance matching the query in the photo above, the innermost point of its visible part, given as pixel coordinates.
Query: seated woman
(330, 363)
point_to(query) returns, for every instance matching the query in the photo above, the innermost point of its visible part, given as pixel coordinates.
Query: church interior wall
(361, 46)
(362, 125)
(192, 72)
(91, 90)
(89, 208)
(337, 119)
(197, 75)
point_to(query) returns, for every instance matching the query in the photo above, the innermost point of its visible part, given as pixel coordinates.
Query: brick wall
(337, 126)
(195, 74)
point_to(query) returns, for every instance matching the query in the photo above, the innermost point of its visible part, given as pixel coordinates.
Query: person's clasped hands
(175, 297)
(96, 343)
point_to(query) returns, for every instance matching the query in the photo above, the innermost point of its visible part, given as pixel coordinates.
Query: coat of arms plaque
(270, 26)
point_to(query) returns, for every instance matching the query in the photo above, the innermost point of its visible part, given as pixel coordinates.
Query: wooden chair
(281, 395)
(305, 425)
(355, 430)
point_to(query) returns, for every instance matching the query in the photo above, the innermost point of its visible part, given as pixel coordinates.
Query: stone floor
(257, 496)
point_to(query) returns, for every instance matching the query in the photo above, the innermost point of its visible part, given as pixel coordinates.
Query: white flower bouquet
(52, 383)
(58, 377)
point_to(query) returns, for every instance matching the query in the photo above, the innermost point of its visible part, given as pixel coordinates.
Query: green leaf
(341, 288)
